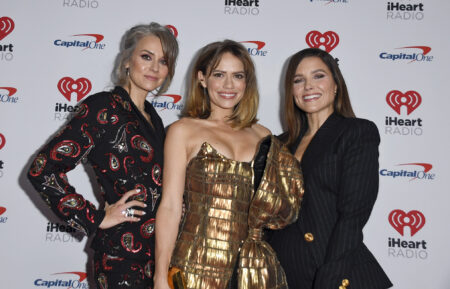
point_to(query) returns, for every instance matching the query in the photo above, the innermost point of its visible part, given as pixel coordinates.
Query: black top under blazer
(325, 246)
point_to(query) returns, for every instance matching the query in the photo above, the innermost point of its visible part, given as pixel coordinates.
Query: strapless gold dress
(225, 216)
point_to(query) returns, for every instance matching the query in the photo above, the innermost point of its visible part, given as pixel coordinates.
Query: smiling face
(147, 66)
(314, 88)
(225, 83)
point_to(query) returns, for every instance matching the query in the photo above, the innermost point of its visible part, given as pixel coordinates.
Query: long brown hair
(198, 103)
(295, 118)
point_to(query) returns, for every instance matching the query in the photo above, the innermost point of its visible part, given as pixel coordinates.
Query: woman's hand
(121, 211)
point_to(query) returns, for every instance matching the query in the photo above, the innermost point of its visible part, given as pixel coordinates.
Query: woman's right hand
(117, 213)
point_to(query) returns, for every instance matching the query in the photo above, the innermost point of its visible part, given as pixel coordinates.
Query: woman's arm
(356, 195)
(62, 154)
(170, 209)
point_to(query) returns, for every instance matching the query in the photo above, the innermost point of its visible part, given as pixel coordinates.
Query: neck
(221, 116)
(137, 96)
(315, 121)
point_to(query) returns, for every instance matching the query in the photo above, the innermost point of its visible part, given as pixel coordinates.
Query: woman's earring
(127, 71)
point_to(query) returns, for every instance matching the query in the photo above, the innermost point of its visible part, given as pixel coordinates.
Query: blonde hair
(198, 104)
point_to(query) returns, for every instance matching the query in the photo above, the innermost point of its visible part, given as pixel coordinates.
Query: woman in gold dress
(234, 176)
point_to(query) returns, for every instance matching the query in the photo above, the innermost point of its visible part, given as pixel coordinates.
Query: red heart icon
(415, 220)
(329, 40)
(81, 87)
(6, 26)
(2, 141)
(2, 210)
(173, 29)
(396, 99)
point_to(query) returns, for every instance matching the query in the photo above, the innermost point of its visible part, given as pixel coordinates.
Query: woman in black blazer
(338, 154)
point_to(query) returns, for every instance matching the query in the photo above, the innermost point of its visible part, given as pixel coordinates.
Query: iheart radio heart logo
(2, 141)
(329, 40)
(415, 220)
(407, 248)
(81, 87)
(6, 26)
(173, 29)
(410, 99)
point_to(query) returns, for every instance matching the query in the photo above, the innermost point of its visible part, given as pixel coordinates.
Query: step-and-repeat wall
(394, 56)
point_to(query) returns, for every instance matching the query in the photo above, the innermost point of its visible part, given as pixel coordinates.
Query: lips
(311, 97)
(151, 78)
(227, 95)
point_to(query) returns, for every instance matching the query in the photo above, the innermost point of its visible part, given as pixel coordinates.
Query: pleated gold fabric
(225, 216)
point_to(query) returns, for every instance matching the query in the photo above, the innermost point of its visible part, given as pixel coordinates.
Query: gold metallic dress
(225, 216)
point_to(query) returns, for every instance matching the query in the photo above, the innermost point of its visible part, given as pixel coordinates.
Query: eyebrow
(315, 71)
(152, 53)
(223, 71)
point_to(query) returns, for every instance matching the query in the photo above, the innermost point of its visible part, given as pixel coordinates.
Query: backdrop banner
(394, 56)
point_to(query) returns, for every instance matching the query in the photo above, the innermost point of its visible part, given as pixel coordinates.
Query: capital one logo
(81, 87)
(176, 97)
(6, 26)
(329, 40)
(255, 48)
(161, 103)
(173, 29)
(2, 141)
(2, 210)
(66, 282)
(415, 220)
(410, 99)
(11, 90)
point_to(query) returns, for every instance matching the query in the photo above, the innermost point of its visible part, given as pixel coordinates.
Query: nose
(228, 82)
(308, 84)
(154, 66)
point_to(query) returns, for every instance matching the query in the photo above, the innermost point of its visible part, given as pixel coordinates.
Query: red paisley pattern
(66, 148)
(38, 165)
(128, 243)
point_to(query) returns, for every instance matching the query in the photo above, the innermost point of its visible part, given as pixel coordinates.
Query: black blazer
(325, 245)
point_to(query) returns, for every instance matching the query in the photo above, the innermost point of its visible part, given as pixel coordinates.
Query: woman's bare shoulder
(261, 130)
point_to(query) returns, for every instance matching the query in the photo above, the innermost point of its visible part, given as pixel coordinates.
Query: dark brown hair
(294, 117)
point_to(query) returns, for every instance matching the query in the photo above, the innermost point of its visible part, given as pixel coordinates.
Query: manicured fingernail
(145, 205)
(143, 213)
(138, 190)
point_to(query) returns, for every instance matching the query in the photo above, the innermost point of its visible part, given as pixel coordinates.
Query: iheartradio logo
(6, 26)
(410, 99)
(67, 85)
(2, 141)
(173, 29)
(415, 220)
(329, 40)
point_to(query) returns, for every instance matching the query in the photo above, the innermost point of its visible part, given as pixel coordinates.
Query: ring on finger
(129, 213)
